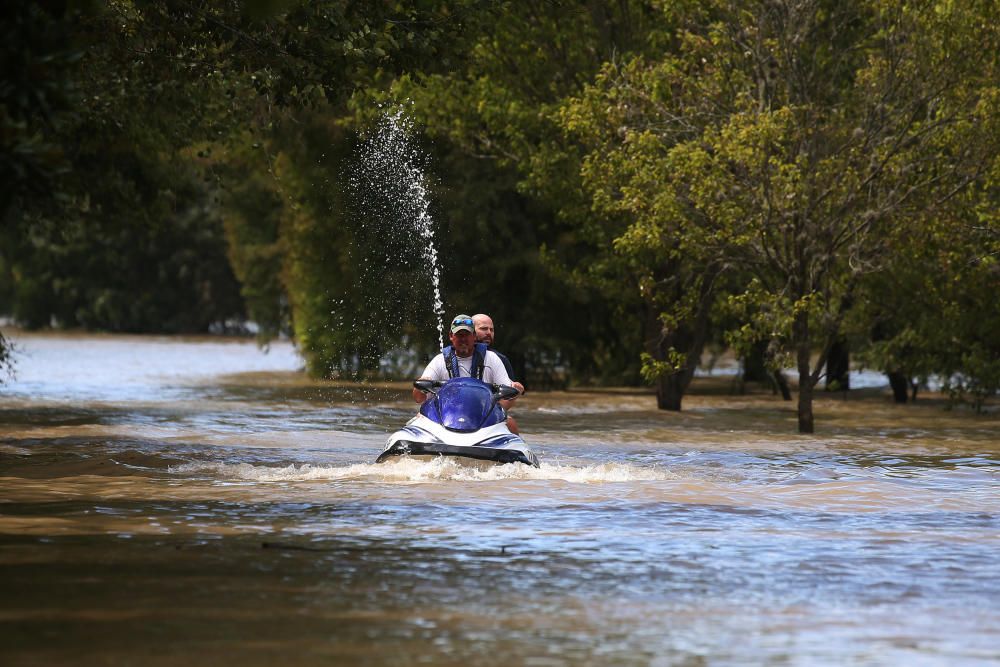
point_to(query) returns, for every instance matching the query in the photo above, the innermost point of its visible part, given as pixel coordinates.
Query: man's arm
(418, 395)
(435, 371)
(510, 371)
(498, 375)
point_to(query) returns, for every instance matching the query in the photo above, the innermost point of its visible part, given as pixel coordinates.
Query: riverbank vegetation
(622, 186)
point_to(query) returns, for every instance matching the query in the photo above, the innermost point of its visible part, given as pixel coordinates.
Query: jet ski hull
(422, 437)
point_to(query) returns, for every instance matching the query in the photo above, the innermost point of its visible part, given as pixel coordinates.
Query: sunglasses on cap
(459, 321)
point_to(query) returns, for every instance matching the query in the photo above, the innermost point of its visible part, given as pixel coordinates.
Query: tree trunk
(838, 367)
(688, 338)
(670, 391)
(801, 329)
(755, 365)
(781, 382)
(900, 386)
(806, 421)
(755, 370)
(669, 388)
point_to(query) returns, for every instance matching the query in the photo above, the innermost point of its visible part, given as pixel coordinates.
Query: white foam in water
(428, 470)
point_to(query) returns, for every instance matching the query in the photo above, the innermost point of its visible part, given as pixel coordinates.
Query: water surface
(167, 501)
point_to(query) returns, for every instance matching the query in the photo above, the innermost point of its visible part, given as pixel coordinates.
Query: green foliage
(494, 122)
(107, 209)
(781, 146)
(618, 184)
(37, 99)
(142, 253)
(325, 254)
(653, 369)
(251, 208)
(118, 232)
(947, 326)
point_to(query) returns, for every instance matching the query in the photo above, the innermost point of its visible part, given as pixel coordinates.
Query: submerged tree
(114, 147)
(36, 100)
(784, 142)
(512, 197)
(947, 327)
(636, 171)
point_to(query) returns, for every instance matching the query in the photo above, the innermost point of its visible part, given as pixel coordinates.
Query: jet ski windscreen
(463, 404)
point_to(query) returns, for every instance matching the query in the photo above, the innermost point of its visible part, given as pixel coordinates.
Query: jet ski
(462, 417)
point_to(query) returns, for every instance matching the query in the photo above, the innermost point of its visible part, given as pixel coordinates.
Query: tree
(511, 190)
(946, 328)
(36, 99)
(789, 139)
(138, 102)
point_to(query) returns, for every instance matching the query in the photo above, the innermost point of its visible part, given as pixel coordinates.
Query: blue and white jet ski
(461, 417)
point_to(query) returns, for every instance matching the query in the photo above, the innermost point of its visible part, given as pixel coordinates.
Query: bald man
(485, 333)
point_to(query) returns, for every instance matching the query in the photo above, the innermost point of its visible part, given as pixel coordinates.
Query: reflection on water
(177, 511)
(120, 368)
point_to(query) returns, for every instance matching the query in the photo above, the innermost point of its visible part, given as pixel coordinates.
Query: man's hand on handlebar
(424, 386)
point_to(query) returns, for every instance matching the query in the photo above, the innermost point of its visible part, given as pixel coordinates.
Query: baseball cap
(462, 322)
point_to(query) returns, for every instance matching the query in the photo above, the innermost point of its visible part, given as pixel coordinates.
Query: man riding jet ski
(466, 417)
(463, 418)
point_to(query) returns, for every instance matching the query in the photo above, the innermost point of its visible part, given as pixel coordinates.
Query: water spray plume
(391, 163)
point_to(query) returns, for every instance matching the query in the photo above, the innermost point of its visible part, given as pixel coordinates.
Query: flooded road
(167, 501)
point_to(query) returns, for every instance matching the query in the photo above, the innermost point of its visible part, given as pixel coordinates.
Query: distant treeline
(622, 186)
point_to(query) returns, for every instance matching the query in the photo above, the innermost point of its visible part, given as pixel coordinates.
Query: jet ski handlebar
(505, 392)
(502, 391)
(428, 386)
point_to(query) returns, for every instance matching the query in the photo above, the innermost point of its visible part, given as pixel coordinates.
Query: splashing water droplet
(391, 161)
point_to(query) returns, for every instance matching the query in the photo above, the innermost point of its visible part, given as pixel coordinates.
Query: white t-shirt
(493, 369)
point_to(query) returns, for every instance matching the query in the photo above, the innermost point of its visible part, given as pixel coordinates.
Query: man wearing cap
(464, 358)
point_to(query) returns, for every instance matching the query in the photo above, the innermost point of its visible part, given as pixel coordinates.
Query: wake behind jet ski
(462, 418)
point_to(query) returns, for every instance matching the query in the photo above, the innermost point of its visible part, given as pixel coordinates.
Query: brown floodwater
(167, 501)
